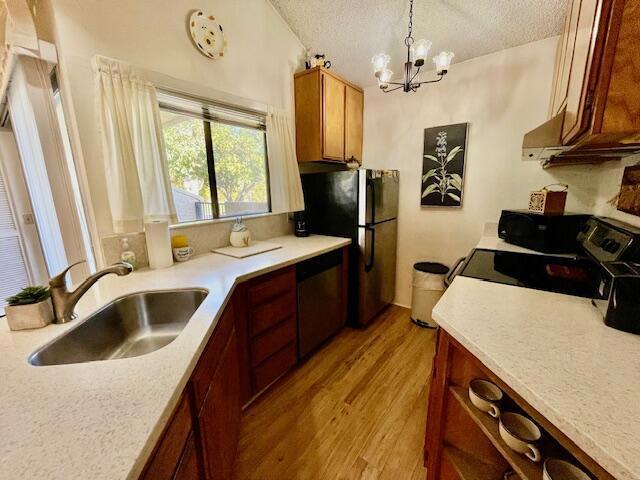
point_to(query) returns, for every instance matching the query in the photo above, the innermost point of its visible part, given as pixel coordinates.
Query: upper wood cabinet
(329, 112)
(354, 109)
(576, 62)
(333, 123)
(595, 99)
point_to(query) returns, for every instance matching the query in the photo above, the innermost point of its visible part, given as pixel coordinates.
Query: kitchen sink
(129, 326)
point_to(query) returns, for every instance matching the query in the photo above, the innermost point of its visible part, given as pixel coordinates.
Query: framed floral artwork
(443, 165)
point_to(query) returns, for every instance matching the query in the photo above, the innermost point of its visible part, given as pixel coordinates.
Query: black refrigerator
(361, 205)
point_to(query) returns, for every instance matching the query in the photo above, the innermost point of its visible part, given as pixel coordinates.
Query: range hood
(544, 144)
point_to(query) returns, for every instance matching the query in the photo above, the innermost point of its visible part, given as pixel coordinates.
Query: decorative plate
(207, 34)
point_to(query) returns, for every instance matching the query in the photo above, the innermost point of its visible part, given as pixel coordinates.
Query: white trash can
(428, 285)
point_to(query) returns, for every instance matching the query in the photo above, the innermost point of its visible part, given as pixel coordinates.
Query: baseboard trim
(408, 307)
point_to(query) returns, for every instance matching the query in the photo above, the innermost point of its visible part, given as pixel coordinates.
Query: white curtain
(17, 30)
(286, 188)
(137, 180)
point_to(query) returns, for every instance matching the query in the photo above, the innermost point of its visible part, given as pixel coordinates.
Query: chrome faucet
(65, 301)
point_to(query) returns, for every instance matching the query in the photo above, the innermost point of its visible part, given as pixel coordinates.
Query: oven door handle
(454, 271)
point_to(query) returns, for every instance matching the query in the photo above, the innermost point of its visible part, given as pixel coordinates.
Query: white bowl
(556, 469)
(521, 435)
(485, 396)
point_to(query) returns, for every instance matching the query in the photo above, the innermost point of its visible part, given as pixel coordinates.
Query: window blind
(13, 266)
(212, 111)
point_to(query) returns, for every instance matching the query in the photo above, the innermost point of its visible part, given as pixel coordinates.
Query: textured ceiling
(350, 32)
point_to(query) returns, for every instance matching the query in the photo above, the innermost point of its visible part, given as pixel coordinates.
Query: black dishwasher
(321, 306)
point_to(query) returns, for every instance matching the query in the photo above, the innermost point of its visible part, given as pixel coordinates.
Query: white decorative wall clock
(207, 34)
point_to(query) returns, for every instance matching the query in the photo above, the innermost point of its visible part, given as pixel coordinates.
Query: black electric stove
(601, 240)
(571, 276)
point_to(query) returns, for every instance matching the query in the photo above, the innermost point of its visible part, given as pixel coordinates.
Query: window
(22, 260)
(217, 159)
(13, 263)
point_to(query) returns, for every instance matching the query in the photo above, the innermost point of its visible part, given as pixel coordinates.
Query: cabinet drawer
(273, 340)
(269, 314)
(211, 356)
(274, 366)
(166, 457)
(270, 286)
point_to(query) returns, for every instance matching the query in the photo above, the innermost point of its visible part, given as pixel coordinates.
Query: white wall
(258, 66)
(502, 96)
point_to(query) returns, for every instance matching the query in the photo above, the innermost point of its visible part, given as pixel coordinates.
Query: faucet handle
(59, 281)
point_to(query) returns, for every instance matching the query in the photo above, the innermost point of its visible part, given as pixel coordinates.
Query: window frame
(208, 115)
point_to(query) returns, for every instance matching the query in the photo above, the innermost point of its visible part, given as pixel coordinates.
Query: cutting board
(242, 252)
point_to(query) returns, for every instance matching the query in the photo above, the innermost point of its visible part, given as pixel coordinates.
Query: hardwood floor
(354, 410)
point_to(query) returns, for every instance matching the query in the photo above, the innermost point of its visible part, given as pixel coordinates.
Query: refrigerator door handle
(368, 266)
(372, 186)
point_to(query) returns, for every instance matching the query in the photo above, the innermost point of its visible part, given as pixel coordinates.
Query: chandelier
(417, 52)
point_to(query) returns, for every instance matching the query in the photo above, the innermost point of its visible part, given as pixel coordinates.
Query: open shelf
(470, 468)
(525, 468)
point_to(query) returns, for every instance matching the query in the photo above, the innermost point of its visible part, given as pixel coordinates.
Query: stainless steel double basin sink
(128, 326)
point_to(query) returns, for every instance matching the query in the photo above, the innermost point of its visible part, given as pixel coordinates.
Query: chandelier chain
(409, 40)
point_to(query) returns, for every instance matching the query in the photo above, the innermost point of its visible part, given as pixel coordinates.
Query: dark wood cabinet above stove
(595, 101)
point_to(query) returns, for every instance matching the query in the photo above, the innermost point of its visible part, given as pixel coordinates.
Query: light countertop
(100, 420)
(555, 351)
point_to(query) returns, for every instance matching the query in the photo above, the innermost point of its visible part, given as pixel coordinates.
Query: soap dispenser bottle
(127, 254)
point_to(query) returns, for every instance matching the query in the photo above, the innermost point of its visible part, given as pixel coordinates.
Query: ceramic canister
(240, 235)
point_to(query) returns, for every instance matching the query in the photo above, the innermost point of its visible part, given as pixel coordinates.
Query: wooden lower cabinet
(189, 467)
(266, 322)
(253, 344)
(169, 450)
(219, 420)
(463, 443)
(201, 439)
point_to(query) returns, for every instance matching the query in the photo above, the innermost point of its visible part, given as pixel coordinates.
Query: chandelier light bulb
(442, 62)
(385, 77)
(380, 62)
(419, 51)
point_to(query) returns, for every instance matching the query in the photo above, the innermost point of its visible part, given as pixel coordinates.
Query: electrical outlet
(28, 219)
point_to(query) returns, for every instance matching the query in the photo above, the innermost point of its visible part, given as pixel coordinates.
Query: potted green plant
(30, 308)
